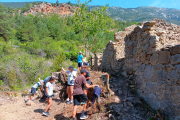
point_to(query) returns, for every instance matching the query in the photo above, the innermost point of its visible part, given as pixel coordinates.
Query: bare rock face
(47, 8)
(151, 52)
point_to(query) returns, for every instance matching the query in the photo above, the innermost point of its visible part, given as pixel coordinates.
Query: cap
(71, 67)
(82, 71)
(53, 78)
(80, 52)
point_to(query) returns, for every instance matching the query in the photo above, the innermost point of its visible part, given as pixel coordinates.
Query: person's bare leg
(85, 105)
(71, 92)
(49, 104)
(74, 111)
(31, 97)
(68, 91)
(85, 92)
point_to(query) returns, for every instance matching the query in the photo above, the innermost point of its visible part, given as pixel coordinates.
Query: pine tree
(5, 29)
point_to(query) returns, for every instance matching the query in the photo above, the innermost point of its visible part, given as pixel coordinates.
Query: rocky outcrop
(62, 9)
(150, 54)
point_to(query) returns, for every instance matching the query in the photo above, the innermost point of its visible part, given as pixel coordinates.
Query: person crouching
(49, 95)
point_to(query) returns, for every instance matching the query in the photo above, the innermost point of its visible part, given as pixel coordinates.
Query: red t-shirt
(78, 85)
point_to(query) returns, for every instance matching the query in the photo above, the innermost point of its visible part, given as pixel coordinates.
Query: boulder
(172, 75)
(148, 72)
(175, 59)
(137, 29)
(30, 103)
(154, 59)
(178, 68)
(175, 50)
(164, 57)
(160, 75)
(151, 23)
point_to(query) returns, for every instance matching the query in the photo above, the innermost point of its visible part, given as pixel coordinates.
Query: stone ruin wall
(150, 54)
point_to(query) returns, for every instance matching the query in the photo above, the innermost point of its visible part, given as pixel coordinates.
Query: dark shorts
(80, 98)
(33, 90)
(51, 96)
(80, 64)
(94, 97)
(86, 64)
(69, 85)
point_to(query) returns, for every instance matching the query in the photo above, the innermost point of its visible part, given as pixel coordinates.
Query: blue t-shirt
(97, 91)
(86, 76)
(46, 79)
(80, 57)
(37, 84)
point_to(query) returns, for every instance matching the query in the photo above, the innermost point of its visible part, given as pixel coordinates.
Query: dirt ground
(17, 110)
(122, 105)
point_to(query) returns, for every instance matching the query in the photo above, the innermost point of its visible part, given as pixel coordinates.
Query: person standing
(80, 61)
(87, 76)
(49, 94)
(70, 86)
(79, 95)
(84, 60)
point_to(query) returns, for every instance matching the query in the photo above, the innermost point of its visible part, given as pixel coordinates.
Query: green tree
(5, 28)
(42, 30)
(10, 10)
(26, 29)
(57, 2)
(91, 23)
(69, 3)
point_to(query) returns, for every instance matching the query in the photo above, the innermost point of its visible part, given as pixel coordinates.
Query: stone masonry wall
(150, 53)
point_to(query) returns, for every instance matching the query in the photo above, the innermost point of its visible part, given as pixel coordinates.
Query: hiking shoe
(83, 103)
(84, 117)
(46, 113)
(67, 99)
(70, 102)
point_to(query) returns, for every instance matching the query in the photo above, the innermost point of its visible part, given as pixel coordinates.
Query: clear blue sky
(120, 3)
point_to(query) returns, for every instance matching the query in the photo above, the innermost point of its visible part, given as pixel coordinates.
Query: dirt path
(120, 106)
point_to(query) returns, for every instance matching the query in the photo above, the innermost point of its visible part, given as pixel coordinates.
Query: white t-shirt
(71, 77)
(37, 84)
(50, 88)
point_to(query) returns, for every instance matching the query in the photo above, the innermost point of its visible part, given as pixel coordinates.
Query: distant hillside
(129, 14)
(15, 4)
(144, 14)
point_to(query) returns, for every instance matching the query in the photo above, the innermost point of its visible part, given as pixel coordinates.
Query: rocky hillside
(139, 14)
(47, 8)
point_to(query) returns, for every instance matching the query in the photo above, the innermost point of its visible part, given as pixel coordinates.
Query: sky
(120, 3)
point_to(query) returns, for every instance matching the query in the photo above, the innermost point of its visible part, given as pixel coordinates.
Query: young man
(79, 95)
(87, 76)
(80, 61)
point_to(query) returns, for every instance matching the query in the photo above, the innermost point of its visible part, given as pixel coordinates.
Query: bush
(58, 60)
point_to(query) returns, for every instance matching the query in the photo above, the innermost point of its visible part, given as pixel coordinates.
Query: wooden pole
(107, 84)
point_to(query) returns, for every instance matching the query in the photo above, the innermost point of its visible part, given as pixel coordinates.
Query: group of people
(76, 87)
